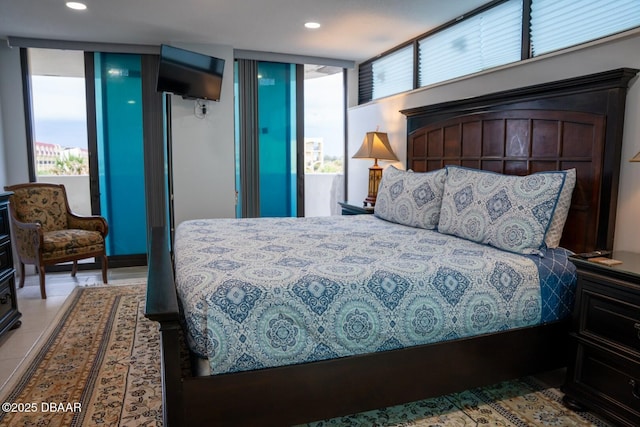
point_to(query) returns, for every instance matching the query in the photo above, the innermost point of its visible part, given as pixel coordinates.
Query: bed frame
(570, 123)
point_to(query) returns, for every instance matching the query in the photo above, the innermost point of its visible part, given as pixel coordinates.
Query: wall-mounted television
(190, 74)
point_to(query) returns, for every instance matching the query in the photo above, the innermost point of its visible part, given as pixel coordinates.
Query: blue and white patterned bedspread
(266, 292)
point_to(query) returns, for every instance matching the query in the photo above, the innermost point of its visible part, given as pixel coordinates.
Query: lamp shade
(635, 158)
(375, 146)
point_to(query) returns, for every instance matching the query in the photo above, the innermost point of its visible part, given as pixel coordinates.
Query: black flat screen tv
(190, 74)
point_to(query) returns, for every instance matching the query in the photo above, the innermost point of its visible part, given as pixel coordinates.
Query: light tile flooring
(37, 314)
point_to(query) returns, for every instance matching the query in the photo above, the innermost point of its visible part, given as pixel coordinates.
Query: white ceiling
(351, 29)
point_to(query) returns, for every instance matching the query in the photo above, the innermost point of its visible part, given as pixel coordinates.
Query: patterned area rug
(100, 366)
(522, 403)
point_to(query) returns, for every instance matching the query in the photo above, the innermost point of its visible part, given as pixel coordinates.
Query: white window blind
(489, 39)
(393, 73)
(556, 24)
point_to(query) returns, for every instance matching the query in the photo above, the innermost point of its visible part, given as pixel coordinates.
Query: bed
(265, 292)
(574, 123)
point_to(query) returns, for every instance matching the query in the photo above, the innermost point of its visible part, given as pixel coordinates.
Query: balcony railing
(77, 187)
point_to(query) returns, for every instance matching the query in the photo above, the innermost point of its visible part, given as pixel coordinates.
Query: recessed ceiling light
(312, 25)
(76, 5)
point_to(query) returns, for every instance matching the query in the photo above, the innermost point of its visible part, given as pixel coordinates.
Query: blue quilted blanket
(266, 292)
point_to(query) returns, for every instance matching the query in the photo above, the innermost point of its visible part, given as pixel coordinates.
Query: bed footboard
(296, 394)
(162, 307)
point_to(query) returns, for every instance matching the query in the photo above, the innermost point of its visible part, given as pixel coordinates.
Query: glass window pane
(277, 140)
(393, 73)
(121, 151)
(323, 140)
(60, 123)
(558, 24)
(486, 40)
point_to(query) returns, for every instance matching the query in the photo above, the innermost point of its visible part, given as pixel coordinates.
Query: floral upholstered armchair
(46, 232)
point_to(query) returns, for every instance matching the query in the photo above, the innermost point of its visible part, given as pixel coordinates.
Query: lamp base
(371, 201)
(375, 175)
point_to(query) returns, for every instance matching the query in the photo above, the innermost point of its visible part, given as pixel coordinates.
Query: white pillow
(554, 234)
(410, 198)
(505, 211)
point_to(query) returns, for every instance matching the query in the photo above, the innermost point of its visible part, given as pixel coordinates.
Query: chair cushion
(66, 243)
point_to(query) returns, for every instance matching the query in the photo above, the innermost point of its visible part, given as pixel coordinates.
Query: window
(492, 35)
(485, 40)
(393, 73)
(60, 119)
(390, 74)
(100, 112)
(290, 141)
(324, 142)
(559, 24)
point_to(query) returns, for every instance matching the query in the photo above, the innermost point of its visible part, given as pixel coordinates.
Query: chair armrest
(29, 237)
(90, 223)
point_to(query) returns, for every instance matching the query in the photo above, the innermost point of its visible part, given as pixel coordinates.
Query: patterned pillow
(410, 198)
(505, 211)
(554, 234)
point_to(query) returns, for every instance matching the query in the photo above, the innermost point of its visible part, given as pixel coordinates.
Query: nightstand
(604, 368)
(353, 209)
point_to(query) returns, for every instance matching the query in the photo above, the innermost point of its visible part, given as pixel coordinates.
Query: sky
(59, 109)
(324, 115)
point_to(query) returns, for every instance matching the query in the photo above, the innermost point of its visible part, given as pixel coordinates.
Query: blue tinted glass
(277, 138)
(120, 151)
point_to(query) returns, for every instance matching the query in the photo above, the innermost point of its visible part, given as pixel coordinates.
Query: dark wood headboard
(575, 123)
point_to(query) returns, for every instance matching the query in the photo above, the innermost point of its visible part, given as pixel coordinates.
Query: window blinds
(393, 73)
(493, 37)
(486, 40)
(556, 24)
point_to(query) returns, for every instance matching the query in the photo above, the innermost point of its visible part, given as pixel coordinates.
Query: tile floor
(37, 314)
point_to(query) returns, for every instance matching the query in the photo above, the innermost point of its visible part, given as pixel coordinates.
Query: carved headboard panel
(574, 123)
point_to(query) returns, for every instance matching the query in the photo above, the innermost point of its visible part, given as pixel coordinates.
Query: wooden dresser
(603, 375)
(9, 314)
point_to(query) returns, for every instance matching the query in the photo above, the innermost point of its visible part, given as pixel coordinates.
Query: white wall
(203, 149)
(617, 53)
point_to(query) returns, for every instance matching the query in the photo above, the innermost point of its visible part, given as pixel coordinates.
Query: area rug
(525, 402)
(99, 365)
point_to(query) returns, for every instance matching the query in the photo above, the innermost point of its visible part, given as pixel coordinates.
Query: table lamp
(375, 146)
